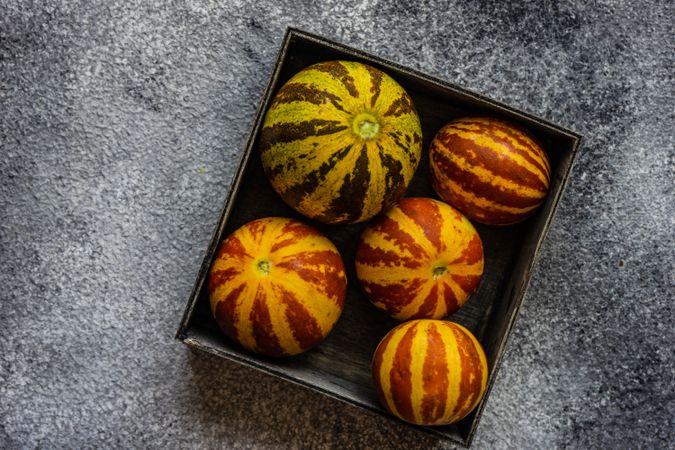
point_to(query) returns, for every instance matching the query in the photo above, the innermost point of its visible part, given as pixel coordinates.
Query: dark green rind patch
(394, 179)
(395, 136)
(376, 79)
(312, 180)
(300, 92)
(351, 197)
(340, 72)
(289, 132)
(400, 106)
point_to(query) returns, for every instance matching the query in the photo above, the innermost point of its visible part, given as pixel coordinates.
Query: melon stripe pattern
(493, 171)
(277, 286)
(429, 372)
(340, 141)
(420, 259)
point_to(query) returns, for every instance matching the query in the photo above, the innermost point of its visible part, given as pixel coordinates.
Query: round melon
(277, 286)
(493, 171)
(430, 372)
(340, 141)
(420, 259)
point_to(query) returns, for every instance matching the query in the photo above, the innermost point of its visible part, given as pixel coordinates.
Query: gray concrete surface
(120, 126)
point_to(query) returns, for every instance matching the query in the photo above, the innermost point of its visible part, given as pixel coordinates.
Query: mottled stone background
(120, 127)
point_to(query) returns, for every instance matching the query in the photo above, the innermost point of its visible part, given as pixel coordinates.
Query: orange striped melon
(277, 286)
(493, 171)
(420, 259)
(430, 372)
(340, 141)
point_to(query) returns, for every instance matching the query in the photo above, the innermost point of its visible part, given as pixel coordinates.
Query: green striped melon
(340, 141)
